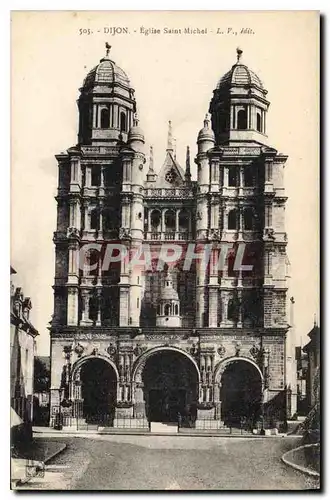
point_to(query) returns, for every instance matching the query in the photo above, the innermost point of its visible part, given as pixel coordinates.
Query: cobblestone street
(172, 463)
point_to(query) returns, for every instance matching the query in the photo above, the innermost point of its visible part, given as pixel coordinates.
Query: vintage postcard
(165, 250)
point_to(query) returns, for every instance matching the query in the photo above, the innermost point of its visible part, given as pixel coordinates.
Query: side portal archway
(241, 387)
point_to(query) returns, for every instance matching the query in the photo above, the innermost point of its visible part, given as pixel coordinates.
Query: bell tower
(239, 106)
(106, 104)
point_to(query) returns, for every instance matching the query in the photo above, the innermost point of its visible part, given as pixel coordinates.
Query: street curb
(91, 434)
(63, 447)
(300, 468)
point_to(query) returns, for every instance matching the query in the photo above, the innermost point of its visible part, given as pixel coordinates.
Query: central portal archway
(170, 383)
(241, 393)
(98, 390)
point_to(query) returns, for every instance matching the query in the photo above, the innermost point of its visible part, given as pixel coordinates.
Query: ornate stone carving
(221, 351)
(79, 349)
(139, 349)
(214, 234)
(67, 350)
(269, 233)
(255, 351)
(238, 347)
(95, 351)
(111, 349)
(124, 233)
(193, 350)
(72, 232)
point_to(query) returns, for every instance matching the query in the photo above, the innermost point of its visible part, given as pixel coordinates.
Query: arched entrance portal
(241, 393)
(98, 390)
(170, 387)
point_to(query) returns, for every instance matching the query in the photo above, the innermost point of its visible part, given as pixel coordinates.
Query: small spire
(169, 137)
(239, 54)
(151, 160)
(107, 47)
(151, 175)
(174, 148)
(188, 173)
(315, 322)
(207, 121)
(136, 120)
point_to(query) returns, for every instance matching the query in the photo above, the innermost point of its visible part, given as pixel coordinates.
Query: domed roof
(135, 132)
(167, 291)
(240, 75)
(105, 73)
(206, 133)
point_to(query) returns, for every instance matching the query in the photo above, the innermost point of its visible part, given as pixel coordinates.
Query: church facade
(173, 333)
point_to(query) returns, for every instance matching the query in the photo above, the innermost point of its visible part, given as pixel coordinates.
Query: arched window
(232, 310)
(123, 124)
(167, 309)
(248, 219)
(184, 217)
(155, 220)
(259, 122)
(242, 119)
(95, 219)
(169, 220)
(176, 309)
(248, 177)
(105, 118)
(96, 175)
(93, 308)
(232, 177)
(232, 219)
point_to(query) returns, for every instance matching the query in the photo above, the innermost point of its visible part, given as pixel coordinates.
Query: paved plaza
(120, 462)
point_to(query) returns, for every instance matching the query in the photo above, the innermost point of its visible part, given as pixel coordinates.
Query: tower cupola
(106, 104)
(168, 307)
(239, 106)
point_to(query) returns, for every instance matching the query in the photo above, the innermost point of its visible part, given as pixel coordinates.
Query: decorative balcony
(168, 193)
(168, 236)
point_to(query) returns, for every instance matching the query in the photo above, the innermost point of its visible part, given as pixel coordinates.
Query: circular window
(170, 176)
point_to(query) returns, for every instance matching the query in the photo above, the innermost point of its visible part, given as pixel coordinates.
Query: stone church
(132, 345)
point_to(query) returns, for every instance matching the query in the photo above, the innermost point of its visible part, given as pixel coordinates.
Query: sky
(174, 76)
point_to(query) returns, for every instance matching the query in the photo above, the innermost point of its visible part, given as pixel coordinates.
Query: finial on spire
(239, 53)
(169, 137)
(188, 173)
(206, 120)
(107, 47)
(315, 322)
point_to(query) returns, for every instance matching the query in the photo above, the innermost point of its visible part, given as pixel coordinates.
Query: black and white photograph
(164, 267)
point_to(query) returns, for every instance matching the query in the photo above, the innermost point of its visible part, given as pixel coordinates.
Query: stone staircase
(164, 428)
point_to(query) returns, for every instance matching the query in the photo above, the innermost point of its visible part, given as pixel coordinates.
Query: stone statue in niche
(79, 349)
(221, 351)
(255, 351)
(111, 350)
(238, 349)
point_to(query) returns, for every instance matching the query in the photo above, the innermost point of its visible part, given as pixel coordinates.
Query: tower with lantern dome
(143, 343)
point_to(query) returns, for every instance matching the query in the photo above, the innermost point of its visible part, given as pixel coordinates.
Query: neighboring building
(22, 349)
(312, 349)
(41, 390)
(302, 373)
(145, 343)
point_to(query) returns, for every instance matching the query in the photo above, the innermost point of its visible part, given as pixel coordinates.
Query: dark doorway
(170, 387)
(98, 391)
(240, 394)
